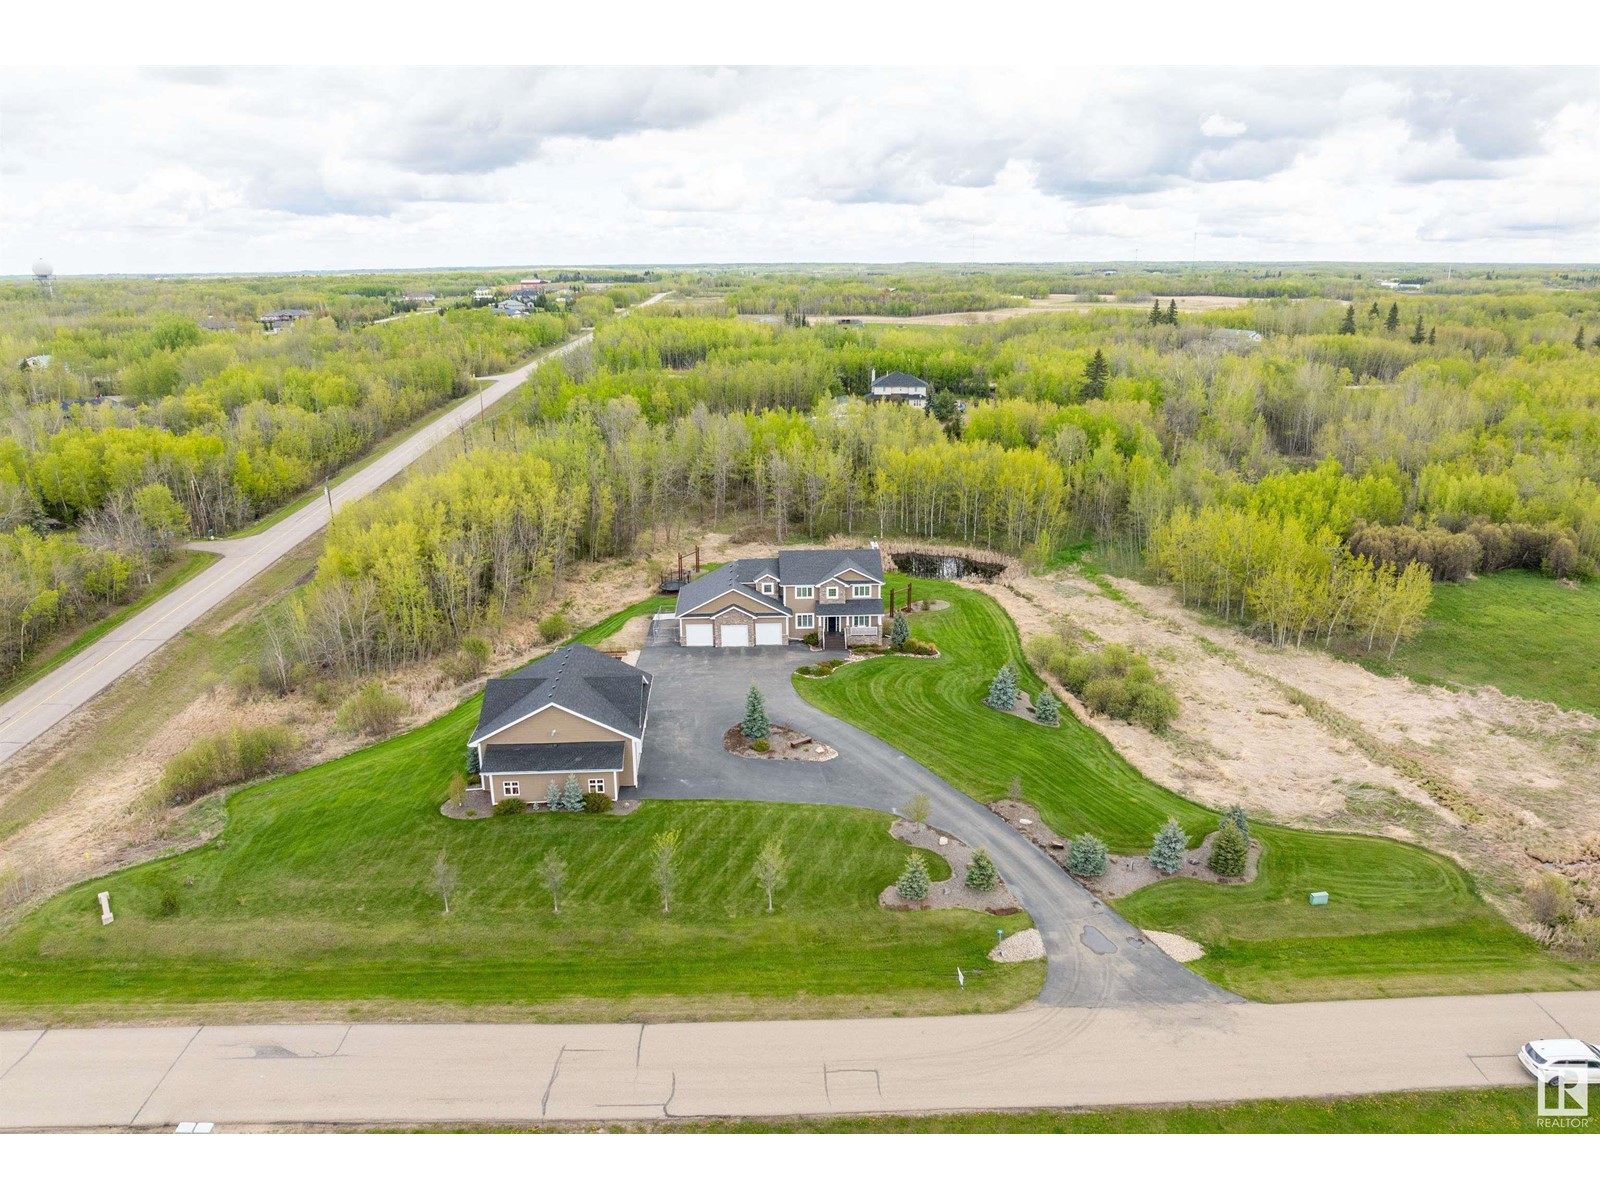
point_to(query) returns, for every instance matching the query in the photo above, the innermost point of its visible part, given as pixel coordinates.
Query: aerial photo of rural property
(851, 633)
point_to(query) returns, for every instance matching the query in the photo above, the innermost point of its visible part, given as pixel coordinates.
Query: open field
(1051, 304)
(1515, 630)
(317, 896)
(1403, 921)
(1484, 1110)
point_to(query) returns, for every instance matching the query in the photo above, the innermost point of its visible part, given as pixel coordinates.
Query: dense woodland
(1306, 464)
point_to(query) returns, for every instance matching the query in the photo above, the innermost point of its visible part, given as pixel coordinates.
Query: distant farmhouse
(419, 297)
(281, 318)
(902, 388)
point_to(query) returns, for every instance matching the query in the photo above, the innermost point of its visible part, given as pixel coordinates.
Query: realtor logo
(1564, 1092)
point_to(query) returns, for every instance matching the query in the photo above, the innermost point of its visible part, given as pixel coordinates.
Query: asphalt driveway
(1096, 959)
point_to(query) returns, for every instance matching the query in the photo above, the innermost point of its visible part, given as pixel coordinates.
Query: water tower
(45, 275)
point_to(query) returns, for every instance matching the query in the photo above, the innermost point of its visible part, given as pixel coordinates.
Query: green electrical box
(1319, 897)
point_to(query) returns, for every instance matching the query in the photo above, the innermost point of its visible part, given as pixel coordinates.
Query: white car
(1560, 1056)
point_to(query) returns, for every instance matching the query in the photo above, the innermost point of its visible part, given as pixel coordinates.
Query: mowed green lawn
(318, 895)
(1518, 631)
(1402, 921)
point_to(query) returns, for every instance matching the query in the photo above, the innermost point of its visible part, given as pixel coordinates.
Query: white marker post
(105, 908)
(961, 980)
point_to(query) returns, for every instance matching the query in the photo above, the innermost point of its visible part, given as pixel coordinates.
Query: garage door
(769, 633)
(736, 635)
(697, 633)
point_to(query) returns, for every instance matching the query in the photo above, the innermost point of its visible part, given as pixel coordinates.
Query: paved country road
(84, 676)
(1034, 1057)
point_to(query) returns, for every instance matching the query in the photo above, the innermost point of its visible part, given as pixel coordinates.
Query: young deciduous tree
(458, 788)
(664, 866)
(755, 724)
(914, 882)
(772, 867)
(1087, 856)
(899, 631)
(1014, 790)
(917, 809)
(1166, 852)
(444, 880)
(553, 874)
(1003, 691)
(981, 875)
(1229, 852)
(1047, 708)
(1348, 325)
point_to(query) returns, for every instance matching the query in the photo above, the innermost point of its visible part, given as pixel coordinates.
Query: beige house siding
(718, 603)
(535, 786)
(557, 725)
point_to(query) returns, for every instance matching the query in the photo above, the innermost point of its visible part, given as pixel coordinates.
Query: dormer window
(766, 588)
(833, 592)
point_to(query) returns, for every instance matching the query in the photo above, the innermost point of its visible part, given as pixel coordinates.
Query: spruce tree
(1417, 335)
(1348, 325)
(1578, 341)
(1392, 321)
(1048, 708)
(1229, 854)
(755, 724)
(899, 631)
(981, 875)
(552, 796)
(1372, 313)
(1433, 332)
(1086, 856)
(1095, 376)
(1172, 312)
(1236, 814)
(571, 795)
(1166, 852)
(1003, 691)
(1155, 313)
(474, 764)
(913, 883)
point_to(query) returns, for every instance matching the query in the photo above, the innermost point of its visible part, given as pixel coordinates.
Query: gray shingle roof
(552, 756)
(738, 576)
(847, 608)
(811, 567)
(898, 379)
(579, 679)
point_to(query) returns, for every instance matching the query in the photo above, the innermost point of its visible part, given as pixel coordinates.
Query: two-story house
(835, 594)
(900, 388)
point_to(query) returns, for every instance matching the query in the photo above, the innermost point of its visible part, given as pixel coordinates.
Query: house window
(858, 590)
(860, 621)
(511, 787)
(833, 592)
(597, 785)
(804, 593)
(805, 620)
(766, 589)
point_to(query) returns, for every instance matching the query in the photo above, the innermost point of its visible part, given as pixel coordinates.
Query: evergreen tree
(552, 796)
(1233, 813)
(1229, 853)
(1094, 377)
(1086, 856)
(1003, 691)
(1392, 321)
(1578, 341)
(1433, 333)
(913, 883)
(1372, 313)
(981, 875)
(1172, 312)
(1348, 325)
(899, 631)
(755, 724)
(571, 795)
(1166, 852)
(474, 766)
(1047, 709)
(1155, 313)
(1417, 335)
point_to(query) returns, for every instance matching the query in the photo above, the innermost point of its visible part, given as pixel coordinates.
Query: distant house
(511, 308)
(419, 297)
(535, 285)
(574, 712)
(281, 318)
(899, 386)
(36, 362)
(483, 293)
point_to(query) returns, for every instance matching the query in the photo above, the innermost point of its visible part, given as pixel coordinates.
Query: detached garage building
(574, 712)
(836, 594)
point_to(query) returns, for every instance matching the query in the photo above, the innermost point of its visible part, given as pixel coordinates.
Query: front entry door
(833, 624)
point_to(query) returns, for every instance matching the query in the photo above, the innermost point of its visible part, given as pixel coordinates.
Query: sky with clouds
(263, 169)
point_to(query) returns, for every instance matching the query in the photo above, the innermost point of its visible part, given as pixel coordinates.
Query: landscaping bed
(952, 892)
(783, 744)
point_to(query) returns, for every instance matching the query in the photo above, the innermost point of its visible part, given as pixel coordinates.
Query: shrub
(232, 756)
(914, 881)
(373, 711)
(919, 648)
(478, 650)
(1086, 856)
(761, 745)
(246, 680)
(1152, 705)
(1108, 695)
(755, 724)
(981, 875)
(1229, 852)
(169, 905)
(555, 627)
(811, 639)
(598, 802)
(1166, 852)
(1550, 900)
(459, 667)
(1236, 814)
(899, 631)
(1003, 691)
(1048, 708)
(1110, 679)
